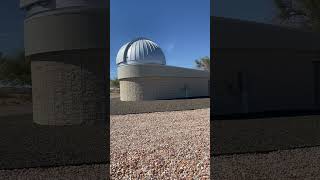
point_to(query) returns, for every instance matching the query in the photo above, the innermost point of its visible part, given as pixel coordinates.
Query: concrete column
(67, 46)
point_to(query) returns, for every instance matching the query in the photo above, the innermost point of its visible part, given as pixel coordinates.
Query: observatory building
(66, 41)
(144, 75)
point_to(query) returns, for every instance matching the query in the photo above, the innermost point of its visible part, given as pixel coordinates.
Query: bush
(15, 70)
(115, 83)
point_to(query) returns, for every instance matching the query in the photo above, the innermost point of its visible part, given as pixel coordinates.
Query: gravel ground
(118, 107)
(161, 145)
(84, 172)
(14, 110)
(25, 144)
(286, 164)
(15, 96)
(264, 134)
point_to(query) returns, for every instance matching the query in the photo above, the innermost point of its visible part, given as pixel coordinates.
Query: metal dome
(140, 51)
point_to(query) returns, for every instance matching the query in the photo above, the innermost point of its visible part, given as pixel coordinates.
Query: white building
(144, 75)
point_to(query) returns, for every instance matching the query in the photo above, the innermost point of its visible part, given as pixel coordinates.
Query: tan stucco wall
(67, 48)
(276, 60)
(155, 70)
(161, 82)
(278, 80)
(70, 29)
(234, 33)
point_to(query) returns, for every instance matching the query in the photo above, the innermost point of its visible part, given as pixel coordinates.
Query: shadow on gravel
(118, 107)
(267, 114)
(257, 133)
(24, 144)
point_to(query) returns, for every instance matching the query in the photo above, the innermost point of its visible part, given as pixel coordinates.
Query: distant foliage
(115, 83)
(304, 14)
(203, 63)
(15, 69)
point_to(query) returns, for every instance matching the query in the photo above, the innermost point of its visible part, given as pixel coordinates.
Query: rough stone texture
(66, 91)
(161, 145)
(151, 88)
(68, 52)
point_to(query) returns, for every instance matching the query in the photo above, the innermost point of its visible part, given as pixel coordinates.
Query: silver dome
(140, 51)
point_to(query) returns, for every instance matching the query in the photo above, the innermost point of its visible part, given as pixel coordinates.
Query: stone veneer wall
(69, 87)
(151, 88)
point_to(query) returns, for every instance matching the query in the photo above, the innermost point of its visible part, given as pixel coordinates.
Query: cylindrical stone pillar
(66, 41)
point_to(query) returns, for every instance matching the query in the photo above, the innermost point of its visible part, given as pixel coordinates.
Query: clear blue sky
(11, 27)
(180, 27)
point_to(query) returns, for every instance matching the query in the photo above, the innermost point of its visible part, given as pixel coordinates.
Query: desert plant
(115, 83)
(307, 11)
(203, 63)
(15, 69)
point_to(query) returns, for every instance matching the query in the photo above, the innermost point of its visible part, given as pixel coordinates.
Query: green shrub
(115, 83)
(15, 69)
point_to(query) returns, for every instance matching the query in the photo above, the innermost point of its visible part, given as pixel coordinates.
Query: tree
(203, 63)
(15, 68)
(115, 83)
(303, 14)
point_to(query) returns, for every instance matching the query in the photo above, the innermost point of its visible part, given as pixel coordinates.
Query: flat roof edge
(136, 71)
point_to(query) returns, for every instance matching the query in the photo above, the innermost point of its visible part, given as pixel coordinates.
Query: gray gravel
(264, 134)
(15, 96)
(25, 144)
(15, 110)
(84, 172)
(161, 145)
(118, 107)
(285, 164)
